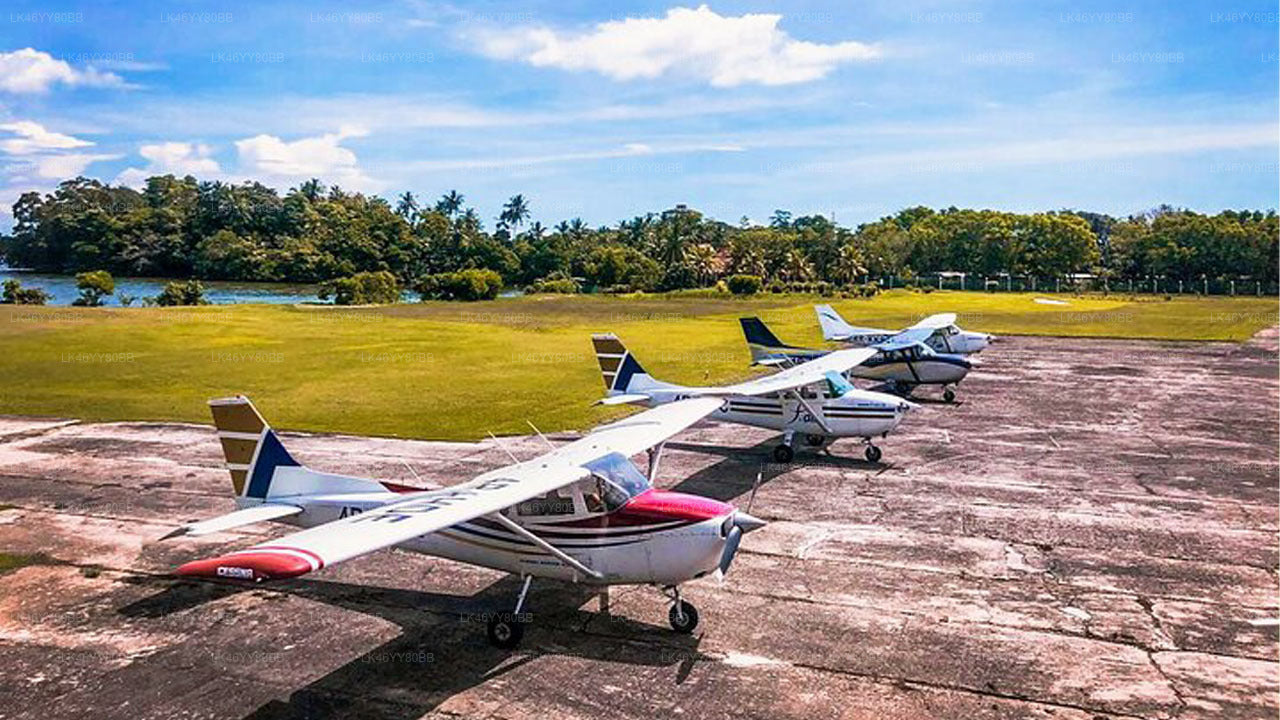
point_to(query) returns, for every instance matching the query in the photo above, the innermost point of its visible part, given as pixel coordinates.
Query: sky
(608, 110)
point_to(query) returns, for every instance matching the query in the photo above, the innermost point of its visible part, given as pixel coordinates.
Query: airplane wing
(934, 322)
(808, 373)
(425, 512)
(907, 338)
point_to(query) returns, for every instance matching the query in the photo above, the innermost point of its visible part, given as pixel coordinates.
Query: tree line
(184, 228)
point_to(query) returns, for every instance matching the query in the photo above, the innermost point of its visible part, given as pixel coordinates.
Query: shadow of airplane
(735, 475)
(441, 649)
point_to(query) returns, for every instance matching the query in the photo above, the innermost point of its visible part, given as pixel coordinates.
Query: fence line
(1153, 285)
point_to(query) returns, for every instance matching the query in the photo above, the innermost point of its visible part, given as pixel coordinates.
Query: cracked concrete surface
(1091, 533)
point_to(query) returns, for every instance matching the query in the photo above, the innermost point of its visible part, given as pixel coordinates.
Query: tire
(504, 632)
(816, 441)
(949, 395)
(784, 454)
(690, 620)
(873, 453)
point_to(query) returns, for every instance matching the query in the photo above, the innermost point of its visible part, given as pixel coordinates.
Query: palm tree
(780, 218)
(450, 203)
(311, 189)
(407, 208)
(537, 230)
(849, 265)
(514, 213)
(702, 259)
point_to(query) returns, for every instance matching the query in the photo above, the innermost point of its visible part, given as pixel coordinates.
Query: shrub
(125, 299)
(562, 286)
(745, 284)
(176, 293)
(472, 284)
(364, 288)
(94, 286)
(15, 294)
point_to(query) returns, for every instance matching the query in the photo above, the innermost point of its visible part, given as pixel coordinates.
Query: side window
(593, 497)
(553, 503)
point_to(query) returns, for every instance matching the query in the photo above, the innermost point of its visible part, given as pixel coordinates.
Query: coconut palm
(514, 213)
(450, 203)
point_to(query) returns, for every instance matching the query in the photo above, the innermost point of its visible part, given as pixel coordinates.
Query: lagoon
(63, 290)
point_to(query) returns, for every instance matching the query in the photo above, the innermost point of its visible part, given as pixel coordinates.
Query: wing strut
(817, 416)
(555, 551)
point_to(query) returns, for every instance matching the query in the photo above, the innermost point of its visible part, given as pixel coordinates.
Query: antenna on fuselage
(498, 442)
(544, 437)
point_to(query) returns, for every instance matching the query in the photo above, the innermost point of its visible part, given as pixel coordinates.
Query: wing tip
(253, 565)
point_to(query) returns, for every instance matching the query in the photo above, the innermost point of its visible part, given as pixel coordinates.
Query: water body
(63, 290)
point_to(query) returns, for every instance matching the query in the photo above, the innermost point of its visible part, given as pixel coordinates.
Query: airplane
(945, 336)
(813, 401)
(581, 512)
(904, 362)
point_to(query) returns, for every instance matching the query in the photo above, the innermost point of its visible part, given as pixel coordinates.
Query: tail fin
(759, 334)
(834, 327)
(621, 371)
(262, 468)
(252, 450)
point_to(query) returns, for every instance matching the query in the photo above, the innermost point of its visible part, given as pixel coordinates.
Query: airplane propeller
(739, 523)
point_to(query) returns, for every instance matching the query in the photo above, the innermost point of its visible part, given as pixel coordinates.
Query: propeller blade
(730, 548)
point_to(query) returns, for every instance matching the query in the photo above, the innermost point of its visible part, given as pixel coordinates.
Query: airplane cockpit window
(553, 503)
(616, 482)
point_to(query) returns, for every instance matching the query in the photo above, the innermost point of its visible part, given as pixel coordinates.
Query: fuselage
(858, 413)
(655, 537)
(950, 340)
(907, 366)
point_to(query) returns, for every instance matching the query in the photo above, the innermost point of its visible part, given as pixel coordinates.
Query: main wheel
(815, 440)
(949, 395)
(505, 632)
(873, 453)
(784, 454)
(683, 617)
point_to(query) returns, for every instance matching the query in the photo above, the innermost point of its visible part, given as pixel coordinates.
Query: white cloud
(61, 167)
(31, 71)
(722, 50)
(38, 149)
(176, 158)
(34, 138)
(269, 158)
(628, 150)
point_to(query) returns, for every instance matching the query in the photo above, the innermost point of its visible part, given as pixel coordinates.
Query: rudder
(250, 446)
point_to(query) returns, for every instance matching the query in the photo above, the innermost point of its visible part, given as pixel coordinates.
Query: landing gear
(506, 629)
(784, 453)
(948, 395)
(873, 453)
(683, 616)
(816, 441)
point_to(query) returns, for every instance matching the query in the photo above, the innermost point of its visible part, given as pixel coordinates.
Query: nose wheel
(683, 616)
(873, 453)
(506, 629)
(948, 395)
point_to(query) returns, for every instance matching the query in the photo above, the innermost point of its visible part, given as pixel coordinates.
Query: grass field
(457, 371)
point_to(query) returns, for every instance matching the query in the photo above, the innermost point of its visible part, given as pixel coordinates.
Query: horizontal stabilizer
(247, 516)
(623, 399)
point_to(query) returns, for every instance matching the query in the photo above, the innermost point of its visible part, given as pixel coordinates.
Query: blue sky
(606, 110)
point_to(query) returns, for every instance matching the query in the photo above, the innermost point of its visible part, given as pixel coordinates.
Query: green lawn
(457, 371)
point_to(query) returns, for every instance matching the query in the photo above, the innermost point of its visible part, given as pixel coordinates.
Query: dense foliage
(190, 292)
(94, 286)
(179, 227)
(469, 284)
(365, 288)
(15, 294)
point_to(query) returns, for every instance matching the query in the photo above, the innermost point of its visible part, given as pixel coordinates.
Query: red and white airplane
(581, 512)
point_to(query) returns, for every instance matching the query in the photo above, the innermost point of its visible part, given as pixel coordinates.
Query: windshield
(616, 482)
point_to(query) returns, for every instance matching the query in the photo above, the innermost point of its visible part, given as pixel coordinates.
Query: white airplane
(581, 512)
(939, 332)
(904, 361)
(813, 400)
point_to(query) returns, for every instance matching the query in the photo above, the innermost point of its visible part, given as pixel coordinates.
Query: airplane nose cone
(747, 522)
